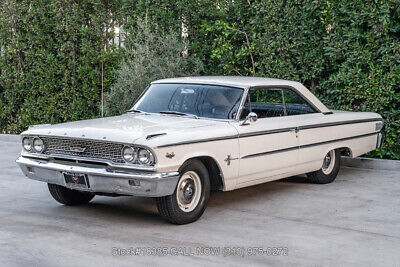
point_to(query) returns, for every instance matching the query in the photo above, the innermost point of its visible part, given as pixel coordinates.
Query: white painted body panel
(188, 137)
(269, 165)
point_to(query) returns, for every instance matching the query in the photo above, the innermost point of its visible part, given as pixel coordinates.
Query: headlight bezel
(34, 146)
(29, 140)
(133, 152)
(149, 159)
(137, 150)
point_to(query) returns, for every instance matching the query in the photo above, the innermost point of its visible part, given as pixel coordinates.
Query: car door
(269, 146)
(307, 115)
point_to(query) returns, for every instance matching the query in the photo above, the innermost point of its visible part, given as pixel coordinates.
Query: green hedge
(347, 52)
(52, 56)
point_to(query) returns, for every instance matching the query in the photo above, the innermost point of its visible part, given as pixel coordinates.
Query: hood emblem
(77, 149)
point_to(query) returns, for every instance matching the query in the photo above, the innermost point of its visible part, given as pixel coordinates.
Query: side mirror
(252, 117)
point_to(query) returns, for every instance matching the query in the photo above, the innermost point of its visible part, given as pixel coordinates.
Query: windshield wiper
(177, 113)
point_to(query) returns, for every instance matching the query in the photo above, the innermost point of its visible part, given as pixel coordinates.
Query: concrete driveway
(355, 221)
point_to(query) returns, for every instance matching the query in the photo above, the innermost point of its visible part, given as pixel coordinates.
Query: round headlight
(26, 143)
(38, 145)
(145, 156)
(128, 153)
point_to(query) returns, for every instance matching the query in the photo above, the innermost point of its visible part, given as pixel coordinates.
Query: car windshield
(209, 101)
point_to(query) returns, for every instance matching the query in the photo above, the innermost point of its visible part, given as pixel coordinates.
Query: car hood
(125, 128)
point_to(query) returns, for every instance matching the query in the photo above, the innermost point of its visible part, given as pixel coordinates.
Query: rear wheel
(190, 197)
(69, 197)
(329, 170)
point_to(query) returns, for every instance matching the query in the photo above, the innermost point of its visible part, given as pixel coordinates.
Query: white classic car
(186, 136)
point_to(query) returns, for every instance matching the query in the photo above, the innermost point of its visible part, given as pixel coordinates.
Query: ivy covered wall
(346, 52)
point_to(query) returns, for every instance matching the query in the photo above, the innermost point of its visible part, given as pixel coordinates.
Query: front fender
(218, 150)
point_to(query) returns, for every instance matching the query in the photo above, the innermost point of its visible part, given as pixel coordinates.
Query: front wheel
(329, 170)
(69, 197)
(190, 197)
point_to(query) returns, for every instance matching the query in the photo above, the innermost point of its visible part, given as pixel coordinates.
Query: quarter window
(296, 105)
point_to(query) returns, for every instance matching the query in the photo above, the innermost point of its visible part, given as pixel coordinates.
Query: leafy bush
(347, 52)
(51, 53)
(51, 58)
(362, 51)
(150, 54)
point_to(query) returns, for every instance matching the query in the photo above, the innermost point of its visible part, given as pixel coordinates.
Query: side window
(275, 102)
(295, 105)
(266, 103)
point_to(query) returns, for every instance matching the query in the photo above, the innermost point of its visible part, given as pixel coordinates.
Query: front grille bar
(83, 148)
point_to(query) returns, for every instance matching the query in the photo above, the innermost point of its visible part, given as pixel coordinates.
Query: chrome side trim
(306, 146)
(273, 131)
(201, 141)
(270, 152)
(338, 140)
(329, 124)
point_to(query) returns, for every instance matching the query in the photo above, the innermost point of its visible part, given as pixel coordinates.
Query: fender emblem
(77, 149)
(170, 155)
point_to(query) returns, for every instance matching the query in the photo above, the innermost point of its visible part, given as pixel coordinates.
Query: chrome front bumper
(101, 179)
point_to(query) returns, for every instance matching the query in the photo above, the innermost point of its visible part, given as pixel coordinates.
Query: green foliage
(363, 58)
(150, 54)
(51, 58)
(347, 52)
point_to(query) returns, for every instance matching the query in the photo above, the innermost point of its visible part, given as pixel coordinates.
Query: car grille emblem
(77, 149)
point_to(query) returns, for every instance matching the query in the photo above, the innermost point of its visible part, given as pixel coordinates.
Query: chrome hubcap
(329, 162)
(188, 191)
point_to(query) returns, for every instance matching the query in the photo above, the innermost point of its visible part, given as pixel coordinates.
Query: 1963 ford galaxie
(186, 136)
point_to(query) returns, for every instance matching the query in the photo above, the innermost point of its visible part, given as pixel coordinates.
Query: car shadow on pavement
(117, 209)
(257, 193)
(141, 209)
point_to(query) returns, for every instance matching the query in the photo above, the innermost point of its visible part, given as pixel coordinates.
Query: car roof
(235, 81)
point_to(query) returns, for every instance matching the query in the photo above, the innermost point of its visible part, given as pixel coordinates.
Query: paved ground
(354, 221)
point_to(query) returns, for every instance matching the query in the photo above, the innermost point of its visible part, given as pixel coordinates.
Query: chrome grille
(92, 148)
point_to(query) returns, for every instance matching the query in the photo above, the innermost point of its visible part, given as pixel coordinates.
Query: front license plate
(76, 180)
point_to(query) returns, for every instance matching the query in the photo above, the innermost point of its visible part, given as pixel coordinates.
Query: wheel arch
(214, 171)
(345, 150)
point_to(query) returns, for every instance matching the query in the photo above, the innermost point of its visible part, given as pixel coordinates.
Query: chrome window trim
(240, 109)
(287, 87)
(197, 117)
